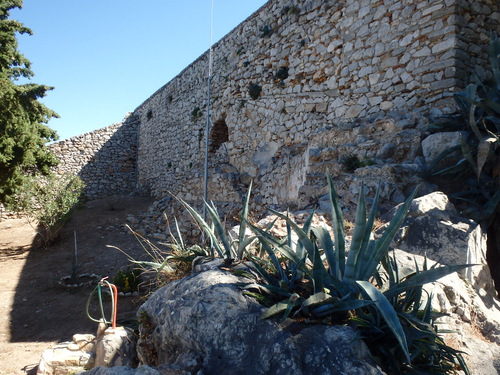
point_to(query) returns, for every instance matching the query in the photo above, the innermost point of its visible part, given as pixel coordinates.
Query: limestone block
(116, 347)
(435, 144)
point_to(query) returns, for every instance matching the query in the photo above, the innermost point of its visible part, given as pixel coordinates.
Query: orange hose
(115, 297)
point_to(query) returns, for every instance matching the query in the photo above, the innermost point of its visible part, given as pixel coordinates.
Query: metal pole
(207, 127)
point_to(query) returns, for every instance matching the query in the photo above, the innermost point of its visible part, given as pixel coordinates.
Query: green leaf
(204, 225)
(382, 244)
(276, 309)
(326, 244)
(424, 277)
(303, 236)
(331, 308)
(318, 271)
(274, 260)
(483, 152)
(280, 246)
(220, 230)
(338, 228)
(388, 314)
(242, 243)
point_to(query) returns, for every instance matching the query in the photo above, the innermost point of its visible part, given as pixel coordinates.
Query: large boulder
(205, 324)
(434, 230)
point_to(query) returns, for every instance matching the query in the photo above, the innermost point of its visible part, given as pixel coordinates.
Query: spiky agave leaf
(338, 228)
(381, 246)
(387, 312)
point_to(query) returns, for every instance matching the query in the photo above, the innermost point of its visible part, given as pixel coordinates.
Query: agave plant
(225, 246)
(318, 279)
(478, 162)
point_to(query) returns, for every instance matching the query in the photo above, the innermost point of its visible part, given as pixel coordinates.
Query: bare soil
(35, 311)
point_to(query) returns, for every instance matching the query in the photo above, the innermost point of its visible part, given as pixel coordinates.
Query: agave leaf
(453, 169)
(274, 290)
(261, 270)
(303, 236)
(494, 51)
(441, 157)
(424, 277)
(179, 234)
(330, 308)
(388, 314)
(483, 152)
(338, 228)
(283, 248)
(284, 307)
(317, 299)
(382, 245)
(491, 107)
(357, 237)
(204, 225)
(259, 297)
(318, 271)
(361, 246)
(155, 265)
(427, 313)
(335, 285)
(307, 229)
(274, 260)
(297, 271)
(220, 229)
(289, 234)
(242, 244)
(276, 309)
(325, 242)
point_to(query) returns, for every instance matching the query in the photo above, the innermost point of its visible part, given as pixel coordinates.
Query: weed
(254, 90)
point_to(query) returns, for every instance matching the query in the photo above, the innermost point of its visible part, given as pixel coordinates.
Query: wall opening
(218, 135)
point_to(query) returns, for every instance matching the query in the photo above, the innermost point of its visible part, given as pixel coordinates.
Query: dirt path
(35, 311)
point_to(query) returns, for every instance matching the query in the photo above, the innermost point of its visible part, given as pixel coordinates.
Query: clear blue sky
(105, 57)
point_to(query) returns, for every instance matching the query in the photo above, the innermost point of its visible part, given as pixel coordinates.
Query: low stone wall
(105, 159)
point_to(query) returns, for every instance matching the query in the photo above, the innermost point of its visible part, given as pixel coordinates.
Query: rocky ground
(35, 311)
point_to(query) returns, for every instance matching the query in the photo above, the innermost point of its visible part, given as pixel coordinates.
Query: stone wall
(297, 89)
(296, 78)
(105, 159)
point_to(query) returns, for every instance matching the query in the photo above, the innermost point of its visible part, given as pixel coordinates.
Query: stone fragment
(434, 144)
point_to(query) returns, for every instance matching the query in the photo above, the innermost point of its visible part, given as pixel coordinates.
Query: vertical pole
(207, 127)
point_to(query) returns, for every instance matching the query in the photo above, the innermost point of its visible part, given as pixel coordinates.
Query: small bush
(196, 113)
(353, 162)
(48, 201)
(266, 31)
(127, 281)
(254, 90)
(281, 73)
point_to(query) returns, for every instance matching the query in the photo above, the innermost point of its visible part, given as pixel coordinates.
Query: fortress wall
(105, 159)
(318, 64)
(330, 79)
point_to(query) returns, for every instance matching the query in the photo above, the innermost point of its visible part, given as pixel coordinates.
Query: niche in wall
(218, 135)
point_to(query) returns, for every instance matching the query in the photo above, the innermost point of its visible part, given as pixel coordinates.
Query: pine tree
(23, 119)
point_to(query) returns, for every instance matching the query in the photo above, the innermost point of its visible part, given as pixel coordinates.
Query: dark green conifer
(23, 119)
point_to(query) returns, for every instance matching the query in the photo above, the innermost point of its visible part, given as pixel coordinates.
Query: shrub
(254, 90)
(353, 162)
(281, 73)
(127, 281)
(266, 31)
(48, 201)
(479, 152)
